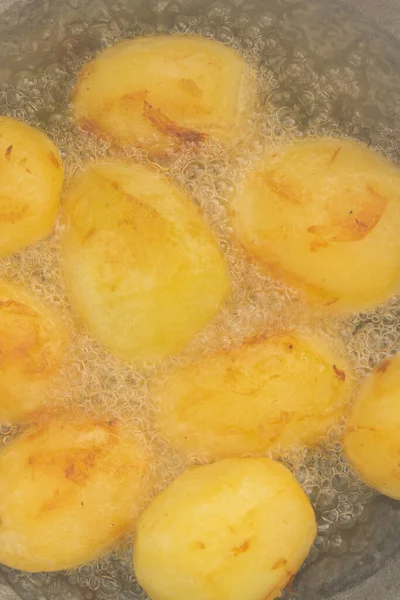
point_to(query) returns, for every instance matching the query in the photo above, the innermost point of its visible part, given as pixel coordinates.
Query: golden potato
(372, 440)
(32, 348)
(164, 90)
(324, 215)
(237, 529)
(69, 492)
(278, 392)
(143, 270)
(31, 177)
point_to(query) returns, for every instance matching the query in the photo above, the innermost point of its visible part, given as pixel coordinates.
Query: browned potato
(238, 529)
(372, 441)
(164, 90)
(70, 491)
(279, 392)
(324, 216)
(144, 271)
(32, 348)
(31, 177)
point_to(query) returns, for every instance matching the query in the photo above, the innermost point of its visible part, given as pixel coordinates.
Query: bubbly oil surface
(322, 71)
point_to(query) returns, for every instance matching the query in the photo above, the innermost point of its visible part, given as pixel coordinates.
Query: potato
(372, 440)
(323, 215)
(32, 349)
(237, 529)
(31, 177)
(163, 91)
(143, 270)
(272, 393)
(70, 491)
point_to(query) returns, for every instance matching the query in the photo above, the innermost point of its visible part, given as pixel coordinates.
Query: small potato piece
(372, 441)
(143, 270)
(164, 90)
(278, 392)
(70, 491)
(324, 216)
(237, 529)
(31, 177)
(32, 348)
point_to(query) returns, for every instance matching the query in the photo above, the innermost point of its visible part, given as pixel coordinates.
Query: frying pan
(351, 53)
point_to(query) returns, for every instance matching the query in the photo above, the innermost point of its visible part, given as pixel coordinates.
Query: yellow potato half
(164, 90)
(324, 215)
(143, 269)
(32, 349)
(278, 392)
(69, 492)
(238, 529)
(31, 177)
(372, 440)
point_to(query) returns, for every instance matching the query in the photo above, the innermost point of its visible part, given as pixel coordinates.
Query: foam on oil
(298, 99)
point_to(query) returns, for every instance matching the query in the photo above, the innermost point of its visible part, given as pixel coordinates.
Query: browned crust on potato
(167, 126)
(304, 289)
(383, 366)
(331, 302)
(91, 126)
(53, 503)
(18, 308)
(8, 152)
(76, 465)
(54, 160)
(244, 547)
(353, 228)
(11, 214)
(282, 562)
(78, 468)
(281, 188)
(25, 346)
(335, 154)
(341, 375)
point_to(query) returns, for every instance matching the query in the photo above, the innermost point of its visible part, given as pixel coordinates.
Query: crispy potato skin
(32, 349)
(69, 492)
(372, 440)
(163, 91)
(274, 393)
(31, 177)
(323, 216)
(237, 529)
(143, 270)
